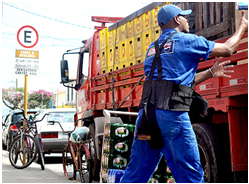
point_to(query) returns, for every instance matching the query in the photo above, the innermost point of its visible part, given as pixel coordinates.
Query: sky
(61, 25)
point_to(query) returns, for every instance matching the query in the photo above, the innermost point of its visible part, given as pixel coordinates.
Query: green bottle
(117, 162)
(122, 147)
(122, 131)
(170, 178)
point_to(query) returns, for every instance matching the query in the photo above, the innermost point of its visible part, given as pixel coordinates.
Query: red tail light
(13, 128)
(49, 135)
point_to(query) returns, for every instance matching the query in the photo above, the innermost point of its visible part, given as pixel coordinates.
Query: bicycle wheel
(86, 165)
(39, 150)
(22, 151)
(68, 163)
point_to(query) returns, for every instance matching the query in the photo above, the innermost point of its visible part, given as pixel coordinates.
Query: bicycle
(76, 157)
(26, 145)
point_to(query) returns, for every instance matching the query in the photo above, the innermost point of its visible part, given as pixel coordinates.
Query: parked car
(53, 138)
(9, 128)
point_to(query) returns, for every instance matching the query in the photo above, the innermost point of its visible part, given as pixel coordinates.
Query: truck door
(82, 82)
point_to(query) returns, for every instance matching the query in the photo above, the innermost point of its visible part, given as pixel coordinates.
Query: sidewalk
(31, 174)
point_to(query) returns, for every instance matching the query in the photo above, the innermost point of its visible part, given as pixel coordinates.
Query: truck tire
(96, 162)
(208, 149)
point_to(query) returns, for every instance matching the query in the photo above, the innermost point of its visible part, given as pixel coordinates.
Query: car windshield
(62, 117)
(20, 116)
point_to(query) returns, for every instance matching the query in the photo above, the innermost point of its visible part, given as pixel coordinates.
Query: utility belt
(167, 95)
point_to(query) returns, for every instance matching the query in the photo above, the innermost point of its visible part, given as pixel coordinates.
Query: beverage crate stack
(162, 173)
(116, 150)
(127, 45)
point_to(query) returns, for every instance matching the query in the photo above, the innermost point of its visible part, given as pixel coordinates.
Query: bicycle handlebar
(62, 127)
(31, 122)
(41, 119)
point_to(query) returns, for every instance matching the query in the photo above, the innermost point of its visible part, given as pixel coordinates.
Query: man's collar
(168, 31)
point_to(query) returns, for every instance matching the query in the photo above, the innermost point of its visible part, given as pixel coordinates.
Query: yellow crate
(131, 62)
(138, 25)
(131, 47)
(127, 63)
(147, 20)
(104, 70)
(102, 36)
(146, 40)
(167, 3)
(130, 28)
(156, 32)
(110, 69)
(154, 16)
(110, 56)
(111, 37)
(117, 57)
(116, 67)
(123, 32)
(138, 45)
(103, 58)
(118, 35)
(139, 59)
(123, 64)
(123, 50)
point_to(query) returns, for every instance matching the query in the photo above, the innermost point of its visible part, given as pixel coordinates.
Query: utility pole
(16, 84)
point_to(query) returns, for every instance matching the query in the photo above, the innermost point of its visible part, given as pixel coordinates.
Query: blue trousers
(180, 150)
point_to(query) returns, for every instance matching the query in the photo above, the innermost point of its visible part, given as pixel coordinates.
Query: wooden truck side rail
(226, 87)
(125, 79)
(229, 98)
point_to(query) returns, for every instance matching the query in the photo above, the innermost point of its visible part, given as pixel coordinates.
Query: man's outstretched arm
(219, 69)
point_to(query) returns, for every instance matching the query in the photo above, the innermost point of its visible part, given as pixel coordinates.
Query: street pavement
(53, 172)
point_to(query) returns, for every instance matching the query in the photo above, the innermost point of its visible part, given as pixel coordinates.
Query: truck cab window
(84, 64)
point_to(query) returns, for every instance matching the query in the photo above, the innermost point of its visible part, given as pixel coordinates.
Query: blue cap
(167, 13)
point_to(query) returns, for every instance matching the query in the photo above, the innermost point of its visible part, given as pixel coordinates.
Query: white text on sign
(27, 54)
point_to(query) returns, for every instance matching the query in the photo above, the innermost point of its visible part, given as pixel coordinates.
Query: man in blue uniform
(179, 59)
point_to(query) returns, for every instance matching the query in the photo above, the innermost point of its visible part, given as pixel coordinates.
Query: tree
(15, 98)
(40, 99)
(12, 98)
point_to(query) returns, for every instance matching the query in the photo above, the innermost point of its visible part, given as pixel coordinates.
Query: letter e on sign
(27, 36)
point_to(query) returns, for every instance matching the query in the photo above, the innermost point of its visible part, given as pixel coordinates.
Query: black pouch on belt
(148, 128)
(198, 106)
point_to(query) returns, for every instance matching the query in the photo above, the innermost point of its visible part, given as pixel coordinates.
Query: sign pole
(26, 95)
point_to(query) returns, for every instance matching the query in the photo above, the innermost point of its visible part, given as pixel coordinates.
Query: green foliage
(21, 89)
(12, 98)
(40, 98)
(37, 99)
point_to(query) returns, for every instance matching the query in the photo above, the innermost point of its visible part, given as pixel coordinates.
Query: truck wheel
(96, 162)
(208, 149)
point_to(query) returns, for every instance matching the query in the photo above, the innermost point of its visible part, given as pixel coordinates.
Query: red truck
(222, 135)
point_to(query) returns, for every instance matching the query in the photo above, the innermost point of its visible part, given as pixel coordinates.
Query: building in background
(66, 98)
(71, 94)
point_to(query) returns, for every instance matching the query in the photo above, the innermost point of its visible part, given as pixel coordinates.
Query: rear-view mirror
(64, 71)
